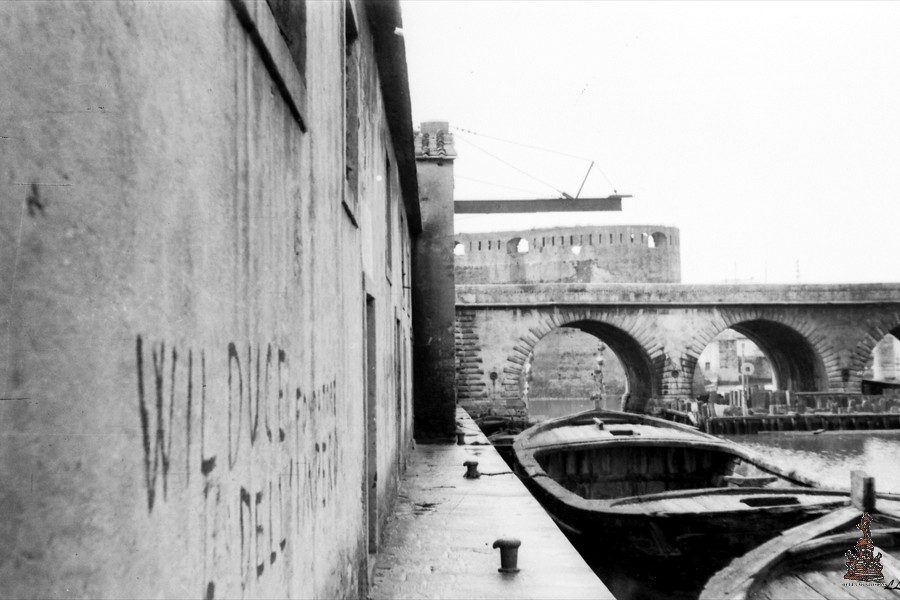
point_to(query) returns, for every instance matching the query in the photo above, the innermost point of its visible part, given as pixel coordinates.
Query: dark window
(351, 110)
(290, 15)
(404, 259)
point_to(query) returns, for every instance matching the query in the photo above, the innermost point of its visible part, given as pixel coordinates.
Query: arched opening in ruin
(517, 246)
(656, 240)
(459, 249)
(583, 365)
(765, 356)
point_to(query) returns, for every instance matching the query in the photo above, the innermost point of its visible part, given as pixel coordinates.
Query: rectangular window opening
(389, 219)
(351, 111)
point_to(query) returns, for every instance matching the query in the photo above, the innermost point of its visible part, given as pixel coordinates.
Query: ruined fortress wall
(620, 254)
(182, 354)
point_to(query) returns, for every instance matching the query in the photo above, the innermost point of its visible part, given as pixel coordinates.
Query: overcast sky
(768, 132)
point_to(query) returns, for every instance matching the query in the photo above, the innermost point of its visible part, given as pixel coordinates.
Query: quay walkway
(439, 542)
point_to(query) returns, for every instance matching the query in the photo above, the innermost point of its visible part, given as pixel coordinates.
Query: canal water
(830, 456)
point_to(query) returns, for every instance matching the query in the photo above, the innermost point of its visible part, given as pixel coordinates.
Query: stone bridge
(817, 337)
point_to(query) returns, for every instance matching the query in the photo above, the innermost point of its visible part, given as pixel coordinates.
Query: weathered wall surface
(818, 337)
(183, 317)
(620, 254)
(564, 365)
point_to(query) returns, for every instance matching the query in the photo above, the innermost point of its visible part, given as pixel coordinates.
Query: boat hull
(675, 551)
(696, 518)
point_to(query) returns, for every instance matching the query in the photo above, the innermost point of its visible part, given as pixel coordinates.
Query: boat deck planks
(575, 434)
(891, 565)
(792, 588)
(724, 499)
(814, 555)
(735, 580)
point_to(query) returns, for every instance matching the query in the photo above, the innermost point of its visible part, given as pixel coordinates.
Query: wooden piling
(862, 491)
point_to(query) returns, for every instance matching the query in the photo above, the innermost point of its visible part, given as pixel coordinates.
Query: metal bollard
(471, 469)
(509, 554)
(460, 438)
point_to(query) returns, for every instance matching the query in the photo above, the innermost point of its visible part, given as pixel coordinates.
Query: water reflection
(830, 456)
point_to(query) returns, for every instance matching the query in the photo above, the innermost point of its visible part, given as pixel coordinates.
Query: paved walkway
(438, 544)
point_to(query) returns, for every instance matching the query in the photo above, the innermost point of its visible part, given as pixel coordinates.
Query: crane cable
(512, 166)
(542, 149)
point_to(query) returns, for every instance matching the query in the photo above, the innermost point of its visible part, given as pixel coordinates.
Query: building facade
(722, 365)
(206, 230)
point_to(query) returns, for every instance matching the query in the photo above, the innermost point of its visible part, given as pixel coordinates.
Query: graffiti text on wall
(267, 455)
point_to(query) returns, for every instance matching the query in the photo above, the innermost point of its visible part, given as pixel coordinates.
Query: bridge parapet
(567, 294)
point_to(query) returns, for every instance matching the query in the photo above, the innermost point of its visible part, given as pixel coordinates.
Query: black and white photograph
(449, 299)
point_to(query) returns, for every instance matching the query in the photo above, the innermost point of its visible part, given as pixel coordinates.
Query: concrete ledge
(439, 542)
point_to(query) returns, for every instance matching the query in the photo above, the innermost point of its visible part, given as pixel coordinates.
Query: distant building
(886, 360)
(720, 363)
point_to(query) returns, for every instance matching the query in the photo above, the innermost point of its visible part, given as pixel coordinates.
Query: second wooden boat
(848, 554)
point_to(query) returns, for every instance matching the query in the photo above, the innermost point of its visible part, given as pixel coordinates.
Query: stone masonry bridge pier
(817, 337)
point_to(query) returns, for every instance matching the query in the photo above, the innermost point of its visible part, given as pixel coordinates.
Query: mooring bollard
(471, 469)
(509, 554)
(460, 438)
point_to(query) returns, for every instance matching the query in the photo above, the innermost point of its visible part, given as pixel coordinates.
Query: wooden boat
(503, 444)
(814, 560)
(660, 497)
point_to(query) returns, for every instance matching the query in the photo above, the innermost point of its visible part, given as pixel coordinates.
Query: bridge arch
(798, 359)
(796, 364)
(623, 336)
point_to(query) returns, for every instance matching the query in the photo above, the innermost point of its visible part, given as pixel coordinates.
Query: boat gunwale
(728, 491)
(527, 458)
(626, 506)
(629, 418)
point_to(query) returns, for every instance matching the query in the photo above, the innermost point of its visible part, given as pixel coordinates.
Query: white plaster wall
(181, 313)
